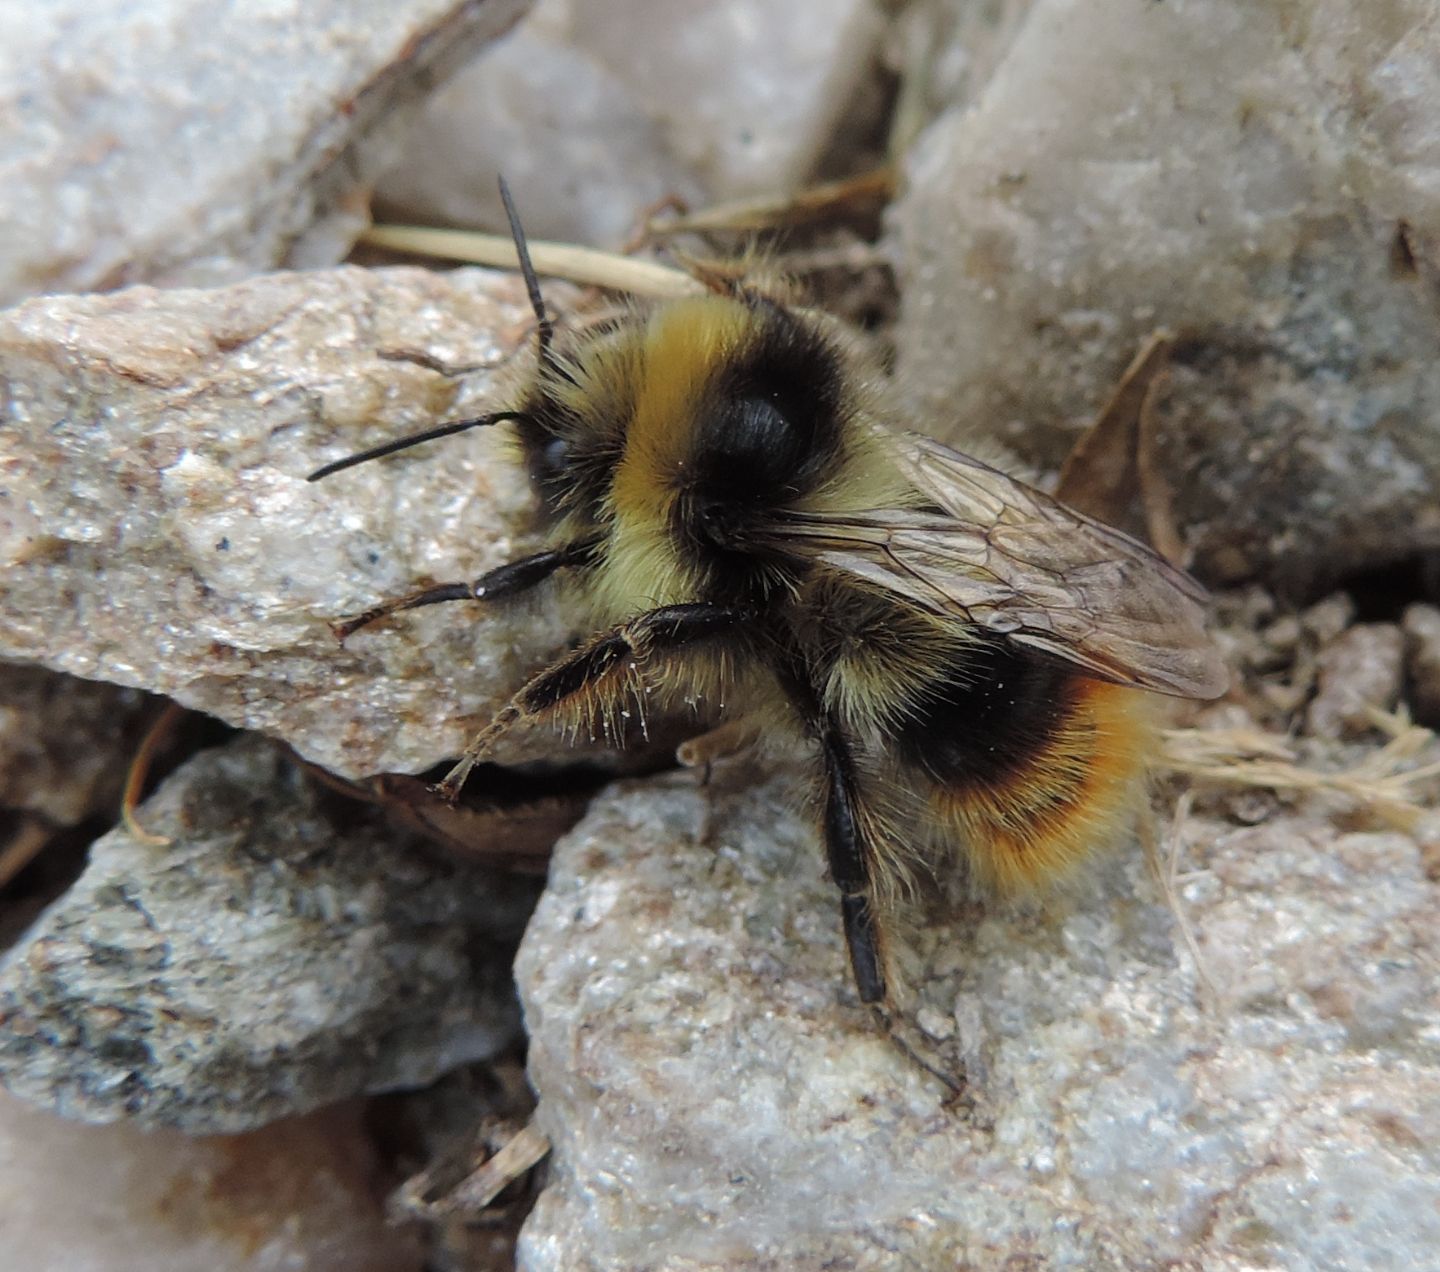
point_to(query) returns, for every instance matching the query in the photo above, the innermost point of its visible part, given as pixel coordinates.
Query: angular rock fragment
(175, 142)
(1261, 187)
(157, 530)
(714, 1093)
(1360, 673)
(595, 112)
(583, 157)
(270, 959)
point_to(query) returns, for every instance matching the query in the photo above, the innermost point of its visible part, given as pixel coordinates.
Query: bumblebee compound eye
(554, 456)
(548, 457)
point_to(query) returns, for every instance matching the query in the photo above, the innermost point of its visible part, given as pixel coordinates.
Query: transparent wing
(1010, 559)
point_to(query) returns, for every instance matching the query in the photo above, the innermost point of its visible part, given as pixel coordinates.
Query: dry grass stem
(586, 266)
(424, 1197)
(832, 198)
(1164, 862)
(155, 737)
(1387, 782)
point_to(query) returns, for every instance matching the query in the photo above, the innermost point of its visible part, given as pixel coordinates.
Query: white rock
(581, 154)
(156, 528)
(593, 112)
(946, 51)
(717, 1101)
(1360, 672)
(299, 1194)
(176, 141)
(1264, 187)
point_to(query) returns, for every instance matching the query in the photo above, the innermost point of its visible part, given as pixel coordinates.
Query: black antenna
(546, 332)
(546, 328)
(404, 443)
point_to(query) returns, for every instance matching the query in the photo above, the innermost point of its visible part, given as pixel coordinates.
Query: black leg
(850, 864)
(846, 849)
(581, 675)
(505, 580)
(852, 858)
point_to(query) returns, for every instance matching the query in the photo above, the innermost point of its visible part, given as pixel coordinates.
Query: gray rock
(1264, 188)
(173, 141)
(717, 1100)
(266, 962)
(156, 528)
(594, 112)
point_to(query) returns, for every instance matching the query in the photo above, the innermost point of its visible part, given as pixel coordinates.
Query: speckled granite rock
(156, 528)
(179, 142)
(265, 962)
(717, 1101)
(1258, 179)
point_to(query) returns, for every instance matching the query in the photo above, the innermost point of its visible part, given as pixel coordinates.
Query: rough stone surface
(593, 112)
(300, 1194)
(1360, 672)
(1259, 179)
(582, 155)
(717, 1100)
(156, 528)
(265, 962)
(947, 50)
(65, 743)
(173, 141)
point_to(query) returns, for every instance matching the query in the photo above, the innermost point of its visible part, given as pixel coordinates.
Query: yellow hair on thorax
(682, 346)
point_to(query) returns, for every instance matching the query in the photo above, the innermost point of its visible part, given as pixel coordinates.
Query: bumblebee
(972, 664)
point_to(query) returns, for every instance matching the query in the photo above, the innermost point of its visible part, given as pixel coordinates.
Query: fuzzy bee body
(964, 655)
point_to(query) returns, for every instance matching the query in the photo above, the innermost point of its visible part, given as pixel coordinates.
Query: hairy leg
(581, 676)
(850, 858)
(854, 861)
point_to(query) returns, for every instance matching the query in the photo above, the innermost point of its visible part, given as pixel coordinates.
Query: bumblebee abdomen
(991, 712)
(1030, 767)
